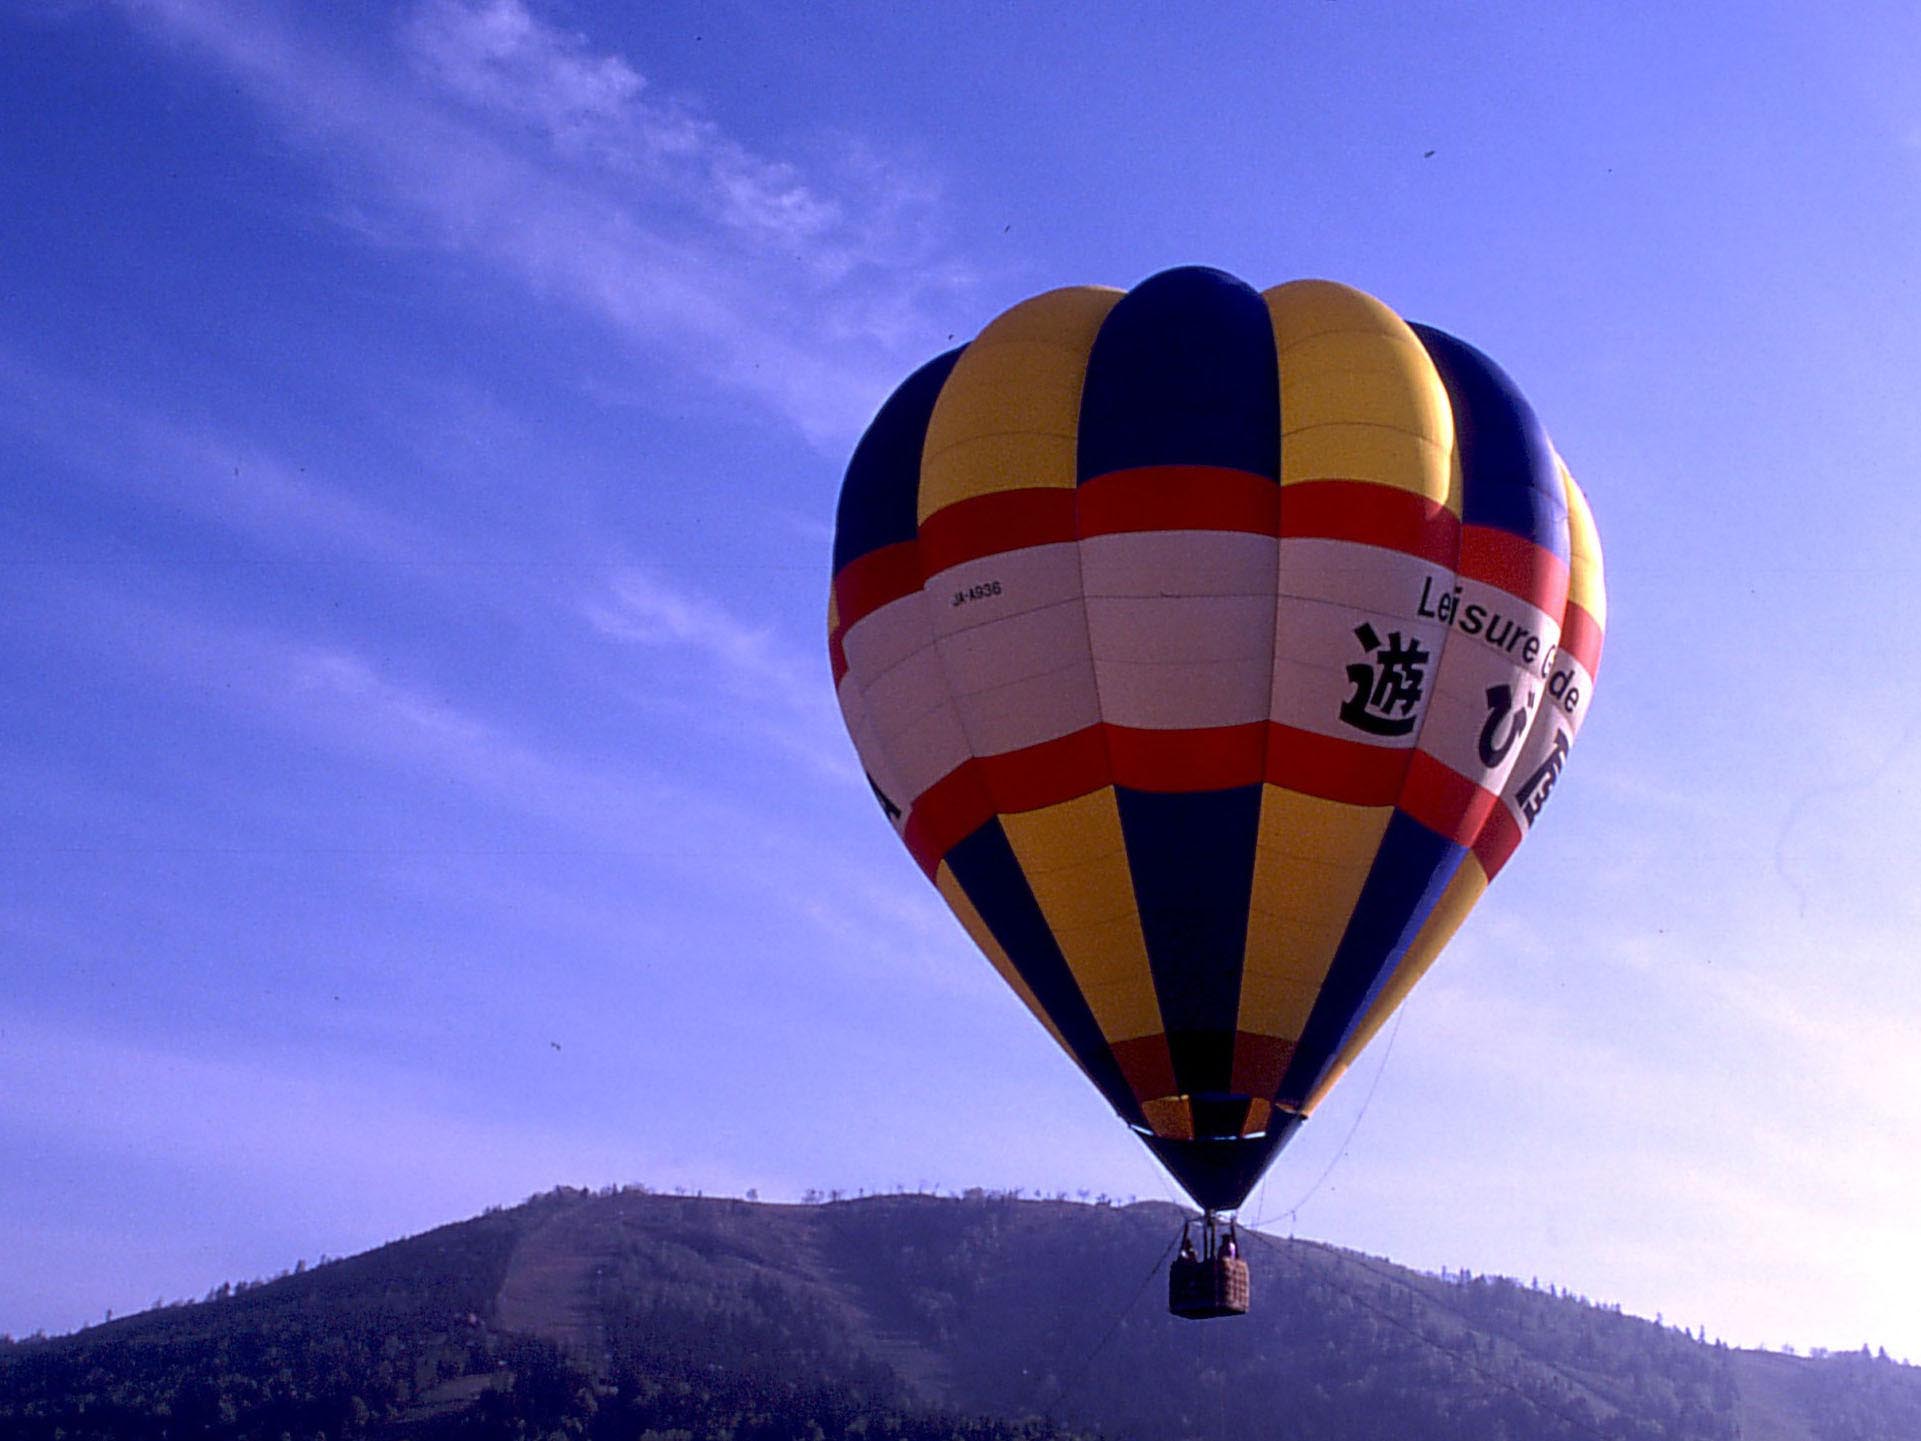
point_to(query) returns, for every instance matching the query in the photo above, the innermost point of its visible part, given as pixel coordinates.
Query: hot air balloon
(1211, 650)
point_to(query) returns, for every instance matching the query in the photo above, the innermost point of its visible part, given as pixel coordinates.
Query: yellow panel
(1360, 400)
(970, 919)
(1125, 1008)
(1460, 897)
(1075, 861)
(1314, 897)
(1304, 309)
(1171, 1117)
(1585, 586)
(1332, 832)
(1278, 989)
(1087, 894)
(1311, 860)
(1007, 417)
(1060, 837)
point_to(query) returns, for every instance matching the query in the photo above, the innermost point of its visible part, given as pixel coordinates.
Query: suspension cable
(1341, 1153)
(1080, 1375)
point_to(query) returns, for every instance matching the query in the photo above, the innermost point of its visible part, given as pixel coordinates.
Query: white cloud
(196, 469)
(776, 693)
(512, 141)
(647, 610)
(887, 924)
(539, 795)
(495, 54)
(344, 700)
(312, 694)
(497, 57)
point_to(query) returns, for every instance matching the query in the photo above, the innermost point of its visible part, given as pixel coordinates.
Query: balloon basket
(1210, 1281)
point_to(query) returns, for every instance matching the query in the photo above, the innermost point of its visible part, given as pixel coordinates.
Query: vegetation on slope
(628, 1315)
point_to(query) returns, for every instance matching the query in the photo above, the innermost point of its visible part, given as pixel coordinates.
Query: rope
(1341, 1154)
(1067, 1392)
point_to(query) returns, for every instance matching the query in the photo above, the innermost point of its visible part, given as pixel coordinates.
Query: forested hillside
(622, 1314)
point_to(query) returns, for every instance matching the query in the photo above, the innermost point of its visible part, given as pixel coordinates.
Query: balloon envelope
(1210, 651)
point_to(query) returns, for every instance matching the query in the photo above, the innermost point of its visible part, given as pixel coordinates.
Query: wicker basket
(1202, 1289)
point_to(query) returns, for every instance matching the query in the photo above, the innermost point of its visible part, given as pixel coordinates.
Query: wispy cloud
(592, 108)
(883, 925)
(498, 135)
(533, 792)
(755, 684)
(282, 683)
(646, 609)
(225, 480)
(774, 692)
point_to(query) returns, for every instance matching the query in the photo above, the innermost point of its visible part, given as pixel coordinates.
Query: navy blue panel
(1217, 1116)
(985, 866)
(1411, 870)
(1192, 860)
(1183, 373)
(1218, 1174)
(879, 500)
(1203, 1061)
(1508, 478)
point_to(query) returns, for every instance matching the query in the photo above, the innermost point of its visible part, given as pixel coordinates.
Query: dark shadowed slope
(618, 1313)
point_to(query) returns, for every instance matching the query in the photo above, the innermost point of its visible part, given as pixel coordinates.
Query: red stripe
(1175, 761)
(1498, 840)
(990, 524)
(1581, 637)
(1371, 514)
(1520, 567)
(1444, 800)
(1188, 760)
(1065, 769)
(880, 577)
(1259, 1062)
(1147, 1064)
(1333, 769)
(837, 654)
(1164, 761)
(1049, 773)
(947, 813)
(1178, 497)
(979, 789)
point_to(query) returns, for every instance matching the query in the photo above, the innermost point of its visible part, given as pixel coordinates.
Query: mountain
(629, 1314)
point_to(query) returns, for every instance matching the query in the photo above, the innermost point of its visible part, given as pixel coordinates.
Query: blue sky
(422, 781)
